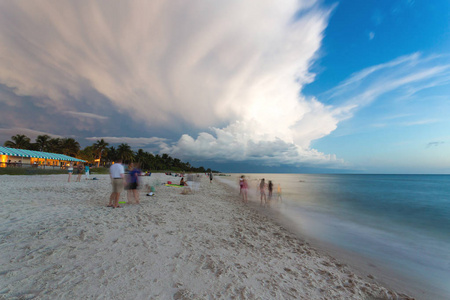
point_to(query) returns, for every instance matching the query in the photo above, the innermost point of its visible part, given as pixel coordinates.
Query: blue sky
(406, 129)
(286, 86)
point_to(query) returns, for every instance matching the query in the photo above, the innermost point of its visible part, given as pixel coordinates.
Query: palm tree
(70, 146)
(54, 145)
(111, 154)
(99, 147)
(19, 141)
(125, 153)
(87, 154)
(42, 142)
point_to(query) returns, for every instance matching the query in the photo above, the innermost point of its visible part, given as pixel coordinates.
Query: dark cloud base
(248, 167)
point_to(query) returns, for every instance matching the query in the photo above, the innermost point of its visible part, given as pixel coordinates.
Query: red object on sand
(169, 182)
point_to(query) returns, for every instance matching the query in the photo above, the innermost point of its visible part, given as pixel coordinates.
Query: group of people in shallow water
(243, 184)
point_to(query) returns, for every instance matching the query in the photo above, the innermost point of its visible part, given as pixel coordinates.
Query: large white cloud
(203, 63)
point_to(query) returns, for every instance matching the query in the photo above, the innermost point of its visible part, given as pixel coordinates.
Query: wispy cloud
(32, 134)
(420, 122)
(404, 76)
(435, 144)
(84, 115)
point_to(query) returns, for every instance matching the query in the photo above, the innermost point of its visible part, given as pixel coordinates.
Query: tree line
(101, 153)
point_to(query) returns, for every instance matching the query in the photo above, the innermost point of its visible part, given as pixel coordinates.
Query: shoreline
(369, 268)
(59, 240)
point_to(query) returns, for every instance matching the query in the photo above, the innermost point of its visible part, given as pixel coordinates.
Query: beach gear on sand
(175, 185)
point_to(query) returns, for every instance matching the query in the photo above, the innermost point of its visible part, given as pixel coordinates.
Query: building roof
(36, 154)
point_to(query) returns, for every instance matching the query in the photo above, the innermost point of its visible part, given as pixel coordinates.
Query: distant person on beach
(187, 188)
(79, 171)
(241, 183)
(279, 193)
(86, 171)
(116, 172)
(244, 189)
(262, 190)
(133, 183)
(70, 170)
(210, 177)
(270, 187)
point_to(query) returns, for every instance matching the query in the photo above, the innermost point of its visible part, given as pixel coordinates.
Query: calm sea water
(401, 220)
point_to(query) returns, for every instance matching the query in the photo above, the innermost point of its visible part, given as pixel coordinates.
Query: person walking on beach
(79, 171)
(210, 177)
(241, 182)
(262, 190)
(86, 171)
(244, 189)
(133, 183)
(70, 170)
(116, 172)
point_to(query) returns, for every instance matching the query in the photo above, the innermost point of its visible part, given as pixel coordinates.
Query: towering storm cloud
(229, 72)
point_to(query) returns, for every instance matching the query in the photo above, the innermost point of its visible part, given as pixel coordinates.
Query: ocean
(401, 221)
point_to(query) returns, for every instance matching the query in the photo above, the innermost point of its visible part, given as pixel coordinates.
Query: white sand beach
(60, 241)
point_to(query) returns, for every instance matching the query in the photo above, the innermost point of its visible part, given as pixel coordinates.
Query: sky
(299, 86)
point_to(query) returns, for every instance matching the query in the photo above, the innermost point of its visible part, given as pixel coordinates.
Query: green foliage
(42, 142)
(69, 147)
(19, 141)
(100, 170)
(87, 154)
(100, 148)
(125, 153)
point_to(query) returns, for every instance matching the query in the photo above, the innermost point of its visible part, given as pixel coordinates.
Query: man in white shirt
(116, 172)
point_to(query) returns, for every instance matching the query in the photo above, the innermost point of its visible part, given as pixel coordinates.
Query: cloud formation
(231, 71)
(435, 144)
(84, 115)
(397, 80)
(32, 134)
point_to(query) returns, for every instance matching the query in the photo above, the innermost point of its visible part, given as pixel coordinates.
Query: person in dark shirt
(133, 184)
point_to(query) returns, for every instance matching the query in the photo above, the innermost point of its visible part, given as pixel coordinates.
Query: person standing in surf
(270, 187)
(262, 190)
(244, 189)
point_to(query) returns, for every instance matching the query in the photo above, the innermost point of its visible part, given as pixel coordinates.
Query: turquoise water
(401, 220)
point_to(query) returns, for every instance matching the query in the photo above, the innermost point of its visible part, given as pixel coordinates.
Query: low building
(11, 157)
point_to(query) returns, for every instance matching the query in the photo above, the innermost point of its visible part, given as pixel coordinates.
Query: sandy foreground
(60, 241)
